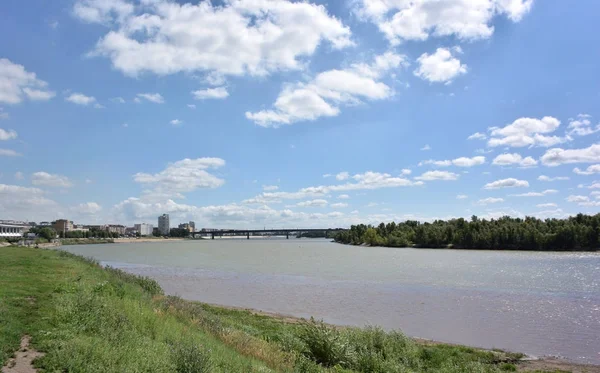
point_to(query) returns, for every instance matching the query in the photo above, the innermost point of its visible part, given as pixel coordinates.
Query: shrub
(190, 358)
(324, 344)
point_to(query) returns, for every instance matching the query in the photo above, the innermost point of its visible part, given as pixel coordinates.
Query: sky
(287, 114)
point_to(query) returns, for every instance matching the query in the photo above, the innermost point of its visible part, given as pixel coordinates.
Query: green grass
(89, 319)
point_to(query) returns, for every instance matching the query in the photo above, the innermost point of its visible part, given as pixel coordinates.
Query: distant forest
(579, 232)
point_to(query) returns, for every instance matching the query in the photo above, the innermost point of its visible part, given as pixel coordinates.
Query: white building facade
(144, 229)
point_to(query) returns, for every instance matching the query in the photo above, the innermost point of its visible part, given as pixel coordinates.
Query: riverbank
(147, 239)
(89, 319)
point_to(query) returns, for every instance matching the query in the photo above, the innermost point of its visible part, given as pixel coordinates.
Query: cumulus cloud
(9, 153)
(51, 180)
(558, 156)
(548, 178)
(591, 170)
(406, 171)
(313, 203)
(80, 99)
(7, 135)
(426, 147)
(489, 200)
(211, 93)
(182, 176)
(507, 183)
(324, 95)
(17, 84)
(338, 205)
(462, 196)
(88, 208)
(546, 205)
(536, 194)
(176, 122)
(342, 176)
(477, 136)
(437, 175)
(459, 162)
(417, 20)
(526, 132)
(577, 199)
(118, 100)
(514, 159)
(343, 196)
(439, 67)
(236, 37)
(157, 98)
(582, 126)
(17, 202)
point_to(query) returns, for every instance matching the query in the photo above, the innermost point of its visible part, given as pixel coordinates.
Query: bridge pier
(248, 235)
(287, 235)
(327, 234)
(212, 236)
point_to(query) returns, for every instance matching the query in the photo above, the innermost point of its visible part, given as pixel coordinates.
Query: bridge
(262, 232)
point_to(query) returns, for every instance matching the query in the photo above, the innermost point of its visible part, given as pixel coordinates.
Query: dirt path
(22, 362)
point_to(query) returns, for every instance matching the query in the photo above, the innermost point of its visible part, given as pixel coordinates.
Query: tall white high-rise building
(144, 229)
(163, 224)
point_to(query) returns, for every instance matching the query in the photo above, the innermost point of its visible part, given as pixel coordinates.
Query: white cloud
(157, 98)
(582, 126)
(328, 91)
(7, 135)
(546, 205)
(118, 100)
(459, 162)
(210, 93)
(577, 199)
(536, 194)
(9, 153)
(477, 136)
(183, 176)
(236, 38)
(270, 188)
(16, 84)
(418, 19)
(80, 99)
(462, 196)
(437, 175)
(406, 171)
(593, 169)
(547, 178)
(426, 147)
(526, 132)
(342, 176)
(19, 175)
(88, 208)
(514, 159)
(191, 106)
(338, 205)
(327, 175)
(507, 183)
(176, 122)
(489, 200)
(99, 106)
(312, 203)
(558, 156)
(51, 180)
(343, 196)
(102, 11)
(17, 202)
(440, 67)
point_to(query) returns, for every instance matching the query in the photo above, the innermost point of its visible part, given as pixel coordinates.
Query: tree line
(579, 232)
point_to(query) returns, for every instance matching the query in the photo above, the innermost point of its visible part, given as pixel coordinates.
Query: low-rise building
(115, 228)
(62, 225)
(144, 229)
(190, 227)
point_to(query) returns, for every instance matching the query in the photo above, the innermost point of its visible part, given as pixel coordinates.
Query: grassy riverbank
(89, 319)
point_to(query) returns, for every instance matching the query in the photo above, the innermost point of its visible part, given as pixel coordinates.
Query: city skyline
(290, 114)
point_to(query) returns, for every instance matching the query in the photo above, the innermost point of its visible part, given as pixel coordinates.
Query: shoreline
(138, 240)
(526, 364)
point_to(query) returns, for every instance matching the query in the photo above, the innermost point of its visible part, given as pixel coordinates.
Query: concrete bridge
(262, 232)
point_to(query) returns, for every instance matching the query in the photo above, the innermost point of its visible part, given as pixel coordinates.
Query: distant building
(190, 227)
(82, 228)
(163, 224)
(62, 225)
(115, 228)
(13, 229)
(144, 229)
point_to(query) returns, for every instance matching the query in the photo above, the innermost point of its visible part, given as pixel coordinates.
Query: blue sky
(252, 113)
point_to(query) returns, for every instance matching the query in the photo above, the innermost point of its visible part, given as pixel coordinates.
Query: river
(536, 303)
